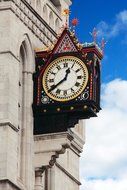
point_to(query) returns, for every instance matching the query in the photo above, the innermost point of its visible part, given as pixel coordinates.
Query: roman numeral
(52, 73)
(79, 77)
(72, 90)
(78, 70)
(73, 65)
(77, 84)
(65, 92)
(58, 67)
(65, 64)
(51, 80)
(58, 91)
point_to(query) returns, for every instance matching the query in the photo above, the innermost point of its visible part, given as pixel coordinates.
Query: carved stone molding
(54, 136)
(40, 170)
(6, 124)
(7, 184)
(31, 19)
(44, 168)
(77, 143)
(48, 147)
(56, 155)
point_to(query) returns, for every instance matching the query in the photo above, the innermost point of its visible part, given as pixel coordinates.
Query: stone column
(38, 179)
(52, 178)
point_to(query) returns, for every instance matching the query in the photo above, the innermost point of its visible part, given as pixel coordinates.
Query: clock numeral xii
(65, 64)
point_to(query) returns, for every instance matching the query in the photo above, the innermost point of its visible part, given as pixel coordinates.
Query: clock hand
(67, 72)
(54, 86)
(60, 82)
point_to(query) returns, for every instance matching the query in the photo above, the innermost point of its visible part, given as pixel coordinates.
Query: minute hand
(60, 82)
(54, 86)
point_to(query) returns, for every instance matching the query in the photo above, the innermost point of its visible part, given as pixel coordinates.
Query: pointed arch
(22, 63)
(45, 13)
(57, 25)
(38, 6)
(51, 20)
(57, 4)
(26, 44)
(26, 69)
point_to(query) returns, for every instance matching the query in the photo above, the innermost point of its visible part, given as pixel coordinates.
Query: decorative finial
(74, 23)
(62, 28)
(103, 43)
(66, 13)
(94, 34)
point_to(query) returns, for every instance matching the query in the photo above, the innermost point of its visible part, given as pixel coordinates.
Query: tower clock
(65, 78)
(66, 85)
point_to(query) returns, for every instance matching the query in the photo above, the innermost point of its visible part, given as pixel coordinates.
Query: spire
(94, 34)
(66, 13)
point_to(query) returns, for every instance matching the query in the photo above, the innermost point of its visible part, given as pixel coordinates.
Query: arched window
(57, 25)
(38, 6)
(33, 3)
(45, 13)
(25, 118)
(51, 20)
(22, 56)
(56, 4)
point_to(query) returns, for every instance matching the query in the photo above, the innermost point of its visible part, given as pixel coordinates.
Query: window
(57, 25)
(21, 108)
(45, 15)
(51, 20)
(25, 117)
(38, 6)
(57, 4)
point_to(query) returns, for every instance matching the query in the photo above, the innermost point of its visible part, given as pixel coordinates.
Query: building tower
(28, 162)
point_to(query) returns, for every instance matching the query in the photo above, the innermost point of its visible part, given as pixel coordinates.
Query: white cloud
(122, 17)
(108, 184)
(105, 152)
(112, 30)
(115, 94)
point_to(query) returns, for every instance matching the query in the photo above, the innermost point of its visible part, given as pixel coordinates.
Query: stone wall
(25, 26)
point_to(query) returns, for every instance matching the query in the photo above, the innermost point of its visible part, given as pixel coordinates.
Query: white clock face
(65, 78)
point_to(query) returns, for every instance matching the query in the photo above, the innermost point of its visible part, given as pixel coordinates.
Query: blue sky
(92, 14)
(104, 159)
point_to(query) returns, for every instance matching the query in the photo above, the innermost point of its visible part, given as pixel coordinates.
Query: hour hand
(67, 72)
(60, 82)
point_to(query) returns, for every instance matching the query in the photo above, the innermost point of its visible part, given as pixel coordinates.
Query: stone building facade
(28, 162)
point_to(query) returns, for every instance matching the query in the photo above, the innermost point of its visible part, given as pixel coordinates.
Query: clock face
(65, 78)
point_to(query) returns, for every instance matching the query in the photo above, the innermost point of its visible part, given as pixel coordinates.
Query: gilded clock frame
(75, 95)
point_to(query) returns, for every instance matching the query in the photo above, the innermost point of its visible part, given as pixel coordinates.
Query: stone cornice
(77, 143)
(31, 19)
(54, 136)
